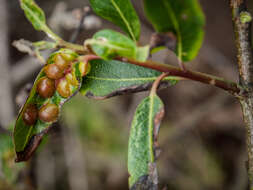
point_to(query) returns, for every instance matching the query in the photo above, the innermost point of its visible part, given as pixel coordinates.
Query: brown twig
(242, 24)
(157, 82)
(229, 86)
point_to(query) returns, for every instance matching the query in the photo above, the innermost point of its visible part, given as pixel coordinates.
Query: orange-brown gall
(61, 62)
(53, 71)
(84, 68)
(63, 88)
(45, 87)
(30, 114)
(49, 112)
(70, 77)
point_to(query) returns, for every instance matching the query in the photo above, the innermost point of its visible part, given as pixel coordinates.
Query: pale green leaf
(37, 17)
(34, 14)
(110, 78)
(144, 128)
(109, 44)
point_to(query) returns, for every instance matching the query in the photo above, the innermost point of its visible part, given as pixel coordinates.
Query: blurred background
(202, 136)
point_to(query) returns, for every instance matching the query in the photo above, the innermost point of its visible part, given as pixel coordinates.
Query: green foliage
(144, 128)
(23, 132)
(110, 78)
(184, 18)
(37, 17)
(8, 168)
(34, 14)
(121, 13)
(109, 44)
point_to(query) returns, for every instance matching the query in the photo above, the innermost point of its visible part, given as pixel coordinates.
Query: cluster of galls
(60, 77)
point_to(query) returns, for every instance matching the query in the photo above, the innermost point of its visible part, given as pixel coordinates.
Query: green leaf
(37, 17)
(111, 78)
(109, 44)
(121, 13)
(27, 137)
(185, 18)
(142, 53)
(9, 170)
(141, 147)
(34, 14)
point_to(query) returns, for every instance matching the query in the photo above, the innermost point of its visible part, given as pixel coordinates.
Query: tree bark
(242, 24)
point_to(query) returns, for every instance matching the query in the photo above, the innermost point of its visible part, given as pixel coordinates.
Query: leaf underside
(143, 134)
(111, 78)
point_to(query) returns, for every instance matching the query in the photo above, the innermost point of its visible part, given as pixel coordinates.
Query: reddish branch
(229, 86)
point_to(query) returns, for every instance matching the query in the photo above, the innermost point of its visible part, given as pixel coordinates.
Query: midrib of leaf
(131, 79)
(176, 26)
(124, 19)
(150, 129)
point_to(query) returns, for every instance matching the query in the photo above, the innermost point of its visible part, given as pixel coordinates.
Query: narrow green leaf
(34, 14)
(121, 13)
(185, 18)
(141, 148)
(109, 44)
(27, 137)
(110, 78)
(37, 17)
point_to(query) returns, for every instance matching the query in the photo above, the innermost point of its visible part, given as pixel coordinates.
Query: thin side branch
(157, 82)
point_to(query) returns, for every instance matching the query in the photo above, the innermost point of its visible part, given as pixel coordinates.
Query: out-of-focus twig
(6, 105)
(188, 122)
(75, 34)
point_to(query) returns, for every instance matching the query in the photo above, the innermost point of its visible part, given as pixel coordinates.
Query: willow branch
(242, 24)
(229, 86)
